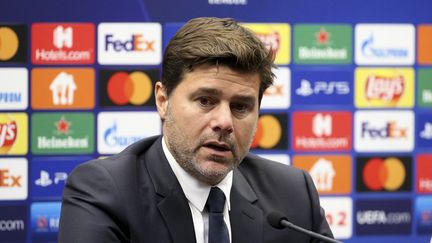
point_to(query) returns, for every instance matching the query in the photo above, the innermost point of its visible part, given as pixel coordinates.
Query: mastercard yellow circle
(396, 174)
(272, 131)
(142, 88)
(8, 43)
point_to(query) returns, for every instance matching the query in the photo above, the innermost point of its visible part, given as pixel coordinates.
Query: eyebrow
(219, 93)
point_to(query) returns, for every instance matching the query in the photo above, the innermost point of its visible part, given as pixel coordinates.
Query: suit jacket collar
(246, 218)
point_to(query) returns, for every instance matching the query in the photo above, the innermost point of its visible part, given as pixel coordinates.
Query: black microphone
(279, 221)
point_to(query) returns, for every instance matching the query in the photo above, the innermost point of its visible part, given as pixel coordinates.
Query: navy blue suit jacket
(134, 196)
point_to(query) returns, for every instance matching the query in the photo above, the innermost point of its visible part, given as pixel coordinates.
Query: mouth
(217, 146)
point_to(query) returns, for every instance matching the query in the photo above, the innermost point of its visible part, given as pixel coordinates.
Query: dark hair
(210, 40)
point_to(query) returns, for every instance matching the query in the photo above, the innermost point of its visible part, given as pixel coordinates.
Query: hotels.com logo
(63, 43)
(387, 89)
(326, 131)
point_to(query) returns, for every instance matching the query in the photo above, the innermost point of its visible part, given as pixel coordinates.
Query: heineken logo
(63, 136)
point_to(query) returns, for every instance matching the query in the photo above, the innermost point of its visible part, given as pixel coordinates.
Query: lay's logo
(389, 87)
(13, 133)
(275, 37)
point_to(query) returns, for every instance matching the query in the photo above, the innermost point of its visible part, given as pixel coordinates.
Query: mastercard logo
(8, 43)
(384, 174)
(269, 132)
(135, 88)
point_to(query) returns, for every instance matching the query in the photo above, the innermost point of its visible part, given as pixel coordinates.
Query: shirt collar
(196, 191)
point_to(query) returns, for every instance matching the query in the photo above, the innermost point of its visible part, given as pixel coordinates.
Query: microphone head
(274, 218)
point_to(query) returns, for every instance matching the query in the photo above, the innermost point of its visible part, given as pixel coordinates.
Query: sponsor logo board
(339, 215)
(63, 88)
(384, 131)
(424, 48)
(278, 95)
(384, 174)
(129, 43)
(322, 131)
(63, 43)
(383, 217)
(424, 173)
(322, 87)
(13, 179)
(424, 130)
(275, 37)
(384, 44)
(322, 44)
(45, 219)
(281, 158)
(127, 88)
(117, 130)
(13, 223)
(13, 133)
(62, 133)
(49, 174)
(423, 215)
(331, 173)
(14, 88)
(384, 87)
(13, 39)
(271, 132)
(424, 88)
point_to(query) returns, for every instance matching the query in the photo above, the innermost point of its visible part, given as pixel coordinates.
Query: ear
(161, 100)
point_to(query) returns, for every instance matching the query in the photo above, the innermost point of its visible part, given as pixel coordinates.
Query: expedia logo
(271, 132)
(12, 43)
(127, 88)
(384, 174)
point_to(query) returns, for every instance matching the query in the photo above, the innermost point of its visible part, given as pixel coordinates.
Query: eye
(205, 101)
(240, 107)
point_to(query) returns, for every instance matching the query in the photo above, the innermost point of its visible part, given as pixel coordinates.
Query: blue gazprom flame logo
(369, 50)
(112, 138)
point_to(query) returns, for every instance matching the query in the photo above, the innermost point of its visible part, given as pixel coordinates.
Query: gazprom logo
(370, 50)
(113, 138)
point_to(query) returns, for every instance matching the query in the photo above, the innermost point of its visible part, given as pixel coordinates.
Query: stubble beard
(186, 153)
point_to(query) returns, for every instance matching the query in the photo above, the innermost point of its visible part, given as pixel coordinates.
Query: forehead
(223, 76)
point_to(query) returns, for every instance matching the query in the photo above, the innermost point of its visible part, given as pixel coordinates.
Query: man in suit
(162, 189)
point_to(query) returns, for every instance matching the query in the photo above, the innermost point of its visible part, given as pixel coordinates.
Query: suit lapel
(246, 218)
(172, 203)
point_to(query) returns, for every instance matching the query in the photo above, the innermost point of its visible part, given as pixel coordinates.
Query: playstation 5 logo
(427, 131)
(305, 88)
(45, 179)
(63, 37)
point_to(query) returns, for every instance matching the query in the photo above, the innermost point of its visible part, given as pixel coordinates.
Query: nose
(222, 120)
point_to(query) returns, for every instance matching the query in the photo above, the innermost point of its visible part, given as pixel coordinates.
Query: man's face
(210, 119)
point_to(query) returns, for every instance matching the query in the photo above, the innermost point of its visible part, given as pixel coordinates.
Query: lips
(218, 146)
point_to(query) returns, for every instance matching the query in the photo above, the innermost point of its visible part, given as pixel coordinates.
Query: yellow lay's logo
(384, 87)
(13, 133)
(275, 37)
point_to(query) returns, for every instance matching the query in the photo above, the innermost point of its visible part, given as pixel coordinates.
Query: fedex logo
(384, 131)
(390, 130)
(130, 43)
(137, 42)
(13, 179)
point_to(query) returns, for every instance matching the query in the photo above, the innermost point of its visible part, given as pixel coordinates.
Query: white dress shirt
(197, 193)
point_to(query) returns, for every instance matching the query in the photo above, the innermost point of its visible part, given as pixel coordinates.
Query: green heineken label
(322, 44)
(424, 88)
(62, 133)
